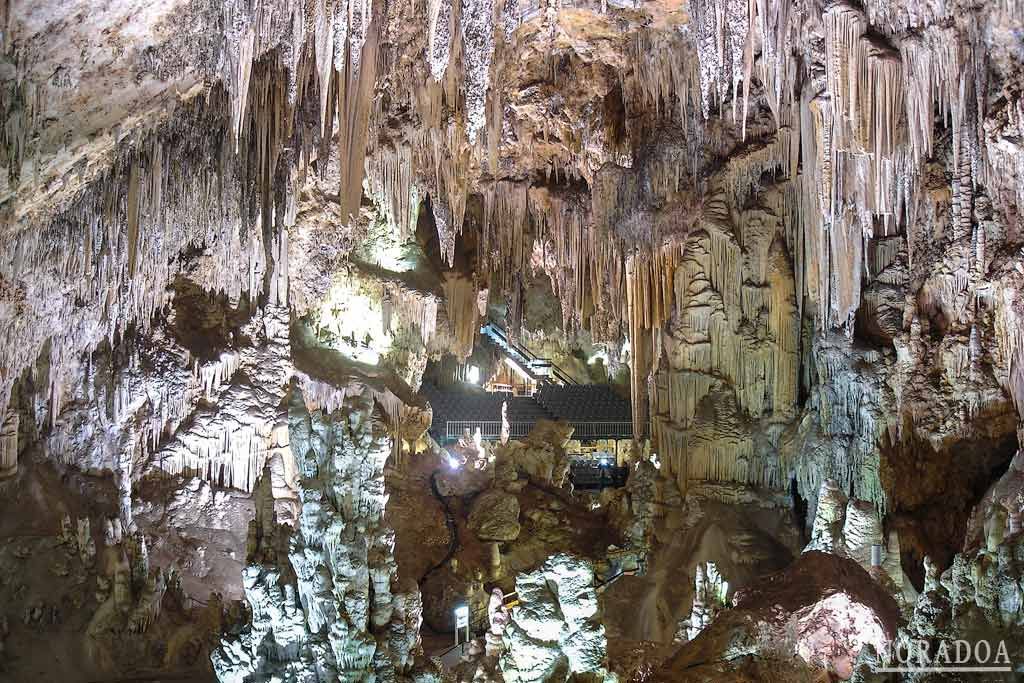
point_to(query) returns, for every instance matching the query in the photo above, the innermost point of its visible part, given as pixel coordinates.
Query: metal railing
(584, 431)
(489, 429)
(540, 368)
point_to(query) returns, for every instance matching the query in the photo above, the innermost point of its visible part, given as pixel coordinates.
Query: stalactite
(391, 179)
(502, 247)
(402, 419)
(230, 457)
(439, 14)
(463, 314)
(211, 376)
(664, 70)
(354, 87)
(722, 31)
(477, 19)
(417, 308)
(444, 151)
(330, 32)
(445, 230)
(121, 271)
(510, 19)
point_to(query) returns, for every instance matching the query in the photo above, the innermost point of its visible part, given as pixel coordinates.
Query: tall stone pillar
(9, 445)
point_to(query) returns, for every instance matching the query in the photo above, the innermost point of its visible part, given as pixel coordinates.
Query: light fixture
(473, 374)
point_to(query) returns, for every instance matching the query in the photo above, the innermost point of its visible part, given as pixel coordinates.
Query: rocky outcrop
(555, 632)
(541, 457)
(494, 516)
(818, 613)
(979, 598)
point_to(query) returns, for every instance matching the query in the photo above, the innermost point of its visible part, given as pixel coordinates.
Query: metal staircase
(541, 370)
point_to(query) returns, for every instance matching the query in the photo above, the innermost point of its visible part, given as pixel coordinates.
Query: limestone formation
(240, 241)
(821, 611)
(555, 632)
(324, 596)
(494, 516)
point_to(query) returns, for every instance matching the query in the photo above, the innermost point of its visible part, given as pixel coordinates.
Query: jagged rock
(709, 597)
(463, 481)
(826, 533)
(327, 601)
(494, 516)
(541, 457)
(555, 632)
(979, 597)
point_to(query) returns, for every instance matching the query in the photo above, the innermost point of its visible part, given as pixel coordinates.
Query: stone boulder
(556, 631)
(548, 433)
(541, 457)
(818, 613)
(494, 516)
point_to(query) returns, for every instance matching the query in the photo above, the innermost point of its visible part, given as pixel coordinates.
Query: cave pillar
(9, 445)
(495, 556)
(1014, 521)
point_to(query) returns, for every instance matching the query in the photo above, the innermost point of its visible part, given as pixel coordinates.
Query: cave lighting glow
(354, 317)
(833, 631)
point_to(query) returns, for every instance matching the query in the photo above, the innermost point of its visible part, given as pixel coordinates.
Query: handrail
(491, 429)
(525, 353)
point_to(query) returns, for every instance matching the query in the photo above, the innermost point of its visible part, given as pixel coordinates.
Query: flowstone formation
(324, 597)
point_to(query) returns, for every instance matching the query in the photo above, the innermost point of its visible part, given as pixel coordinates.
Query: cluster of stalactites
(392, 182)
(116, 248)
(414, 307)
(326, 397)
(722, 34)
(174, 189)
(662, 78)
(866, 138)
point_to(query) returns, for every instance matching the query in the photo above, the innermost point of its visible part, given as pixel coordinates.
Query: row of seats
(585, 403)
(456, 405)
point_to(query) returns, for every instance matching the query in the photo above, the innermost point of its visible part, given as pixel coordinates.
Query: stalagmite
(9, 445)
(330, 586)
